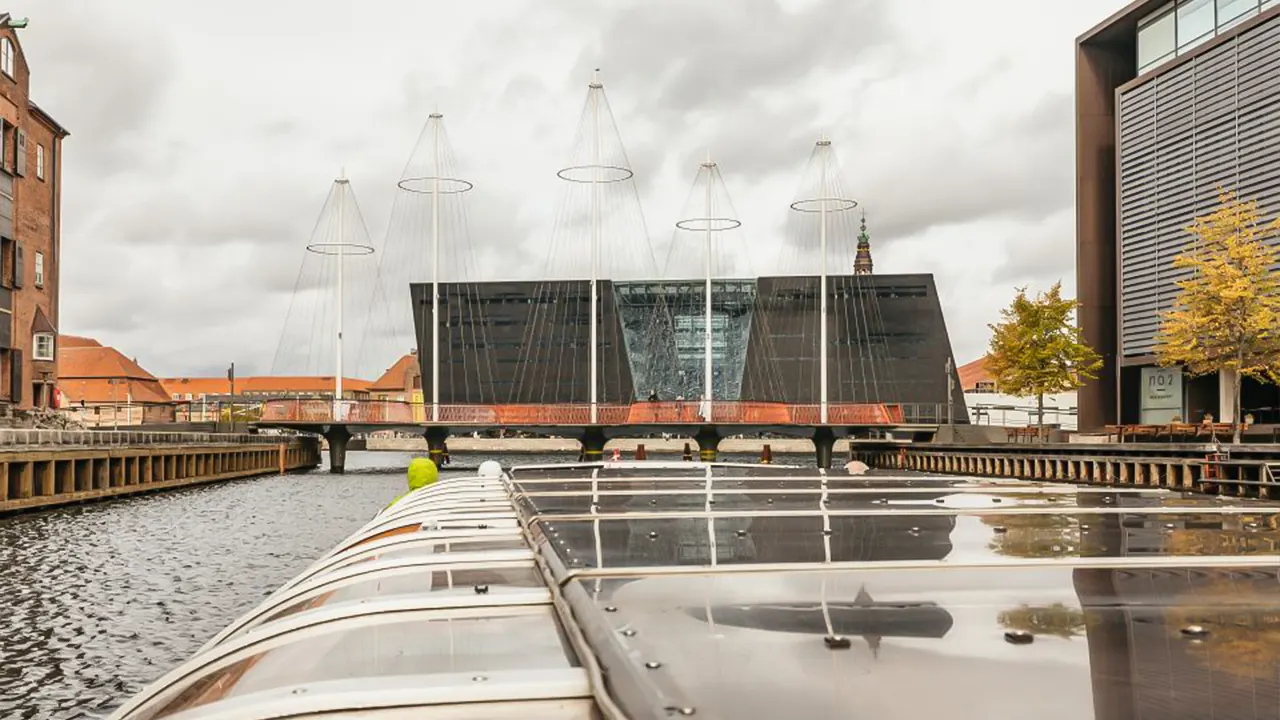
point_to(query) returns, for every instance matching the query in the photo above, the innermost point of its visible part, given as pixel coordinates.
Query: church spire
(862, 261)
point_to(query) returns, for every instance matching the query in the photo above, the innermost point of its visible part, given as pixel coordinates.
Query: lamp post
(951, 388)
(115, 409)
(231, 378)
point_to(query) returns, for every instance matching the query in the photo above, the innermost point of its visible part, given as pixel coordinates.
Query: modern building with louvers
(1174, 101)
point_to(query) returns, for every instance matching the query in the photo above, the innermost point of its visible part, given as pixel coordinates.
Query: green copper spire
(862, 261)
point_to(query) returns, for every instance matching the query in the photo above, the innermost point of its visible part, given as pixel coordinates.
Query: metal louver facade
(1212, 121)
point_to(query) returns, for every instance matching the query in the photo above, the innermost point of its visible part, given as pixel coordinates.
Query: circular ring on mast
(702, 224)
(814, 205)
(427, 185)
(608, 174)
(332, 248)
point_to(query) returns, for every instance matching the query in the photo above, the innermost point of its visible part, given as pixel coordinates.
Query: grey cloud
(688, 55)
(1020, 168)
(103, 72)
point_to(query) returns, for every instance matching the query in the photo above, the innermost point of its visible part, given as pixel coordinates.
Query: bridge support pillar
(337, 436)
(708, 443)
(593, 441)
(436, 448)
(824, 442)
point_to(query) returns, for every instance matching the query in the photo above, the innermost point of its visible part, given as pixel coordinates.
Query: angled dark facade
(1174, 101)
(528, 342)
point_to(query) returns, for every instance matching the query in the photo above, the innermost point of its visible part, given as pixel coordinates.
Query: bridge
(820, 350)
(706, 423)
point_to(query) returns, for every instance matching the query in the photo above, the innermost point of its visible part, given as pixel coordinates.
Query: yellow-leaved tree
(1036, 348)
(1226, 316)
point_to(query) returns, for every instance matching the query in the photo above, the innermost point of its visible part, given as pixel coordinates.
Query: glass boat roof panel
(655, 540)
(389, 646)
(1185, 643)
(463, 582)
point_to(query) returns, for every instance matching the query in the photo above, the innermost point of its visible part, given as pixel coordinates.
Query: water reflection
(1057, 620)
(98, 600)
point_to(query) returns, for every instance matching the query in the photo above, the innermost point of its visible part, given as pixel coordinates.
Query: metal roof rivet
(687, 711)
(997, 500)
(827, 531)
(836, 642)
(1084, 526)
(711, 502)
(653, 664)
(1107, 498)
(610, 608)
(1195, 631)
(1000, 529)
(629, 632)
(741, 533)
(1019, 637)
(479, 678)
(299, 691)
(769, 501)
(915, 531)
(653, 502)
(483, 526)
(653, 535)
(1170, 526)
(482, 589)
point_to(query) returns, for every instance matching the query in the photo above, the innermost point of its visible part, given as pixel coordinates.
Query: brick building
(30, 232)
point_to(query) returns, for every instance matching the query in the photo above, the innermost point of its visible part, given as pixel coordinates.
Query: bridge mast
(596, 87)
(435, 272)
(706, 370)
(824, 199)
(342, 255)
(712, 213)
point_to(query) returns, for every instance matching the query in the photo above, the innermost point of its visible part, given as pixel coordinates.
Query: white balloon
(490, 468)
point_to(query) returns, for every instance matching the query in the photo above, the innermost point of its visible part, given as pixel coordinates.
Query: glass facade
(664, 326)
(1180, 26)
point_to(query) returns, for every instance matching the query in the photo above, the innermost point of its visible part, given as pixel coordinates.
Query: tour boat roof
(653, 590)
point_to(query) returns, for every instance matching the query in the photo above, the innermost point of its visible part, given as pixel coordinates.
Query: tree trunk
(1040, 413)
(1236, 382)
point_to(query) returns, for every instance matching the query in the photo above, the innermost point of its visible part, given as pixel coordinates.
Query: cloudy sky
(204, 138)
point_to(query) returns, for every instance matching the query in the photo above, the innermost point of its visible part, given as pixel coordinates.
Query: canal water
(98, 600)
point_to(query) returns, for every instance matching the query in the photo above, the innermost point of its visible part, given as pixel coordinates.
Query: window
(6, 56)
(1232, 11)
(1156, 41)
(1195, 23)
(39, 269)
(40, 161)
(42, 347)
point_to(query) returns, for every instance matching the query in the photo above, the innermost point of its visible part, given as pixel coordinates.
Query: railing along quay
(10, 438)
(1241, 470)
(35, 477)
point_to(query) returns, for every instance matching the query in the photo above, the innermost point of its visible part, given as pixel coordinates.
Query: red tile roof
(394, 377)
(68, 341)
(974, 373)
(260, 384)
(90, 372)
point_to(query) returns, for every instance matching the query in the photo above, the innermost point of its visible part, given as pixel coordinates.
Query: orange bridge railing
(394, 412)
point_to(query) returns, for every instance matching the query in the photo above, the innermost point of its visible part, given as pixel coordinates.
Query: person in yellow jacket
(422, 472)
